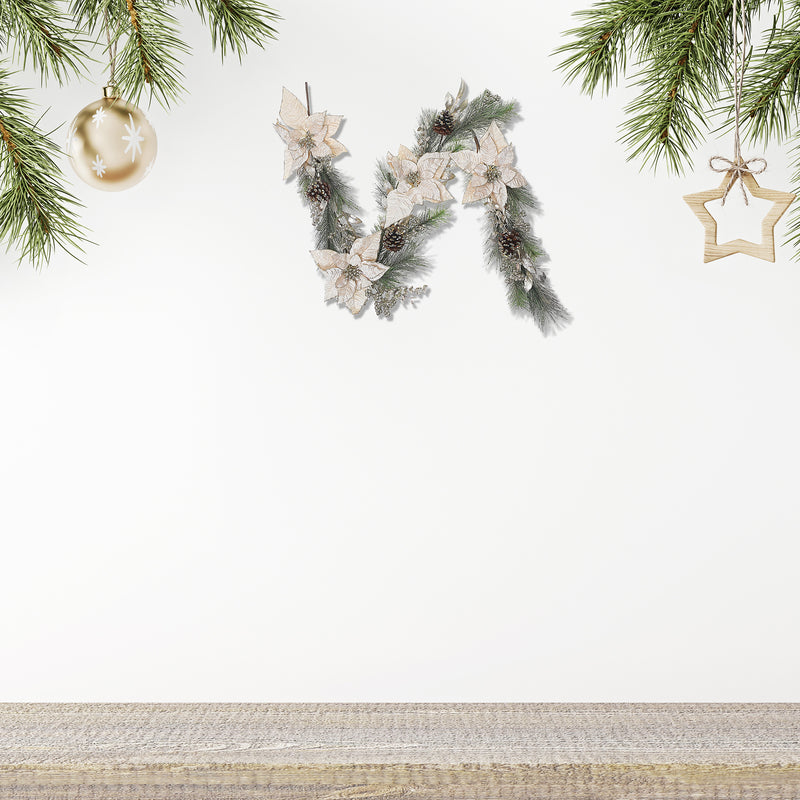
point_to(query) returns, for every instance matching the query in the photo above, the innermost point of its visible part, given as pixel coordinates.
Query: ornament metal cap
(110, 91)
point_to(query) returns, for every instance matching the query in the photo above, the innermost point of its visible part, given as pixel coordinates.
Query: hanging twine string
(112, 51)
(737, 167)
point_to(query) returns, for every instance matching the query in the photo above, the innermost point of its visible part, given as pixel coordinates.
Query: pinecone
(318, 192)
(509, 242)
(393, 238)
(444, 124)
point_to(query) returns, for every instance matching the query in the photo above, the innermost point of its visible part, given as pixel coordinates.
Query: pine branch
(236, 23)
(617, 31)
(687, 53)
(599, 51)
(682, 49)
(37, 214)
(41, 34)
(88, 14)
(772, 82)
(150, 60)
(151, 55)
(793, 228)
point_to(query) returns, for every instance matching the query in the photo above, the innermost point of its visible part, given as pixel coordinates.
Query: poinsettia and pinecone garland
(412, 191)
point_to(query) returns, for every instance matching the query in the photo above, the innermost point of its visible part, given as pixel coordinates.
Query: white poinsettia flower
(305, 136)
(418, 180)
(490, 168)
(350, 274)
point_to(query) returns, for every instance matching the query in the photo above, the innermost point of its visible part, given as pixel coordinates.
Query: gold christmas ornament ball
(111, 144)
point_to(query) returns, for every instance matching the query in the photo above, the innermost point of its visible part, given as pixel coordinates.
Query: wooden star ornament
(764, 249)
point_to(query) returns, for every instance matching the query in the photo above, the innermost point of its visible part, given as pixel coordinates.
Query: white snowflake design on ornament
(149, 168)
(70, 137)
(99, 167)
(134, 138)
(99, 117)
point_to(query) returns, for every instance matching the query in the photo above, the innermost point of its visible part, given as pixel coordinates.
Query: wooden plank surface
(361, 752)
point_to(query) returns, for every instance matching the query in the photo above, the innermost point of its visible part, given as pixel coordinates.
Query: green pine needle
(793, 229)
(682, 52)
(37, 214)
(598, 53)
(236, 23)
(772, 82)
(409, 264)
(151, 48)
(39, 33)
(150, 60)
(479, 114)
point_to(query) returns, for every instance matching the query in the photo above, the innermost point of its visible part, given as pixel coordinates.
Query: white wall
(215, 487)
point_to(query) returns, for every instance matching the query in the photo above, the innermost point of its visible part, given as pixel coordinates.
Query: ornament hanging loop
(738, 166)
(112, 59)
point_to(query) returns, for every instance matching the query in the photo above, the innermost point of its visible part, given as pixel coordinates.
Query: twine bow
(738, 166)
(736, 169)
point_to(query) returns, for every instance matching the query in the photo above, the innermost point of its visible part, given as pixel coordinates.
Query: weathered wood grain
(382, 752)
